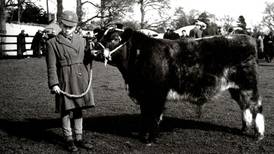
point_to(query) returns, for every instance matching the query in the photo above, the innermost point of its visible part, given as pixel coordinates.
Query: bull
(198, 69)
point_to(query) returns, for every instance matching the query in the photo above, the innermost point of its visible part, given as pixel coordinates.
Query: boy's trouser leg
(66, 126)
(67, 132)
(78, 124)
(78, 130)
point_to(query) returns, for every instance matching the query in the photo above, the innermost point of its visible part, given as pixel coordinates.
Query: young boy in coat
(68, 65)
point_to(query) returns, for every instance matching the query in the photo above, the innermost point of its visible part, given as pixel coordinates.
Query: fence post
(2, 39)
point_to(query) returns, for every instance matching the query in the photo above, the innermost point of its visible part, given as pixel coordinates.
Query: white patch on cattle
(160, 118)
(225, 83)
(173, 95)
(259, 102)
(247, 117)
(259, 124)
(126, 87)
(138, 52)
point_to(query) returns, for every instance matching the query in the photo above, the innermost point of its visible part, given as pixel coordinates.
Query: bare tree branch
(88, 2)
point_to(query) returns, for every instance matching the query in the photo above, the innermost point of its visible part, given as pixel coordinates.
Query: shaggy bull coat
(68, 64)
(190, 66)
(198, 69)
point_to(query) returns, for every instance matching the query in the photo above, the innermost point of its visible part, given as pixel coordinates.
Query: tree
(193, 16)
(204, 17)
(268, 18)
(108, 11)
(115, 10)
(29, 13)
(181, 18)
(149, 5)
(211, 27)
(227, 22)
(79, 9)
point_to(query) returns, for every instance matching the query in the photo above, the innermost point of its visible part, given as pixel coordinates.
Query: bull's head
(113, 40)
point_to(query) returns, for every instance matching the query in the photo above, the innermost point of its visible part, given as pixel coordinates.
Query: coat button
(79, 74)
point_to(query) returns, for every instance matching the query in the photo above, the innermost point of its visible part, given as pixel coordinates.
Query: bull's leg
(251, 106)
(151, 115)
(259, 120)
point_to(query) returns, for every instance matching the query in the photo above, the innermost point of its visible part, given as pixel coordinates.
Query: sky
(252, 10)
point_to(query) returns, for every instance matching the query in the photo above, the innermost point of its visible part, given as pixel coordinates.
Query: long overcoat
(69, 64)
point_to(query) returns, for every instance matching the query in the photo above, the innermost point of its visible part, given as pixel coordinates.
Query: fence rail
(8, 45)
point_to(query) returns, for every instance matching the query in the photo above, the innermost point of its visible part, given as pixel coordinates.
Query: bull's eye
(115, 41)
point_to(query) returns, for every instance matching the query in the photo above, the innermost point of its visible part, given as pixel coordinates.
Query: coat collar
(74, 43)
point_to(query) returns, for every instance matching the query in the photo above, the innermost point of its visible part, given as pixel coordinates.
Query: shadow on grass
(38, 130)
(121, 125)
(128, 124)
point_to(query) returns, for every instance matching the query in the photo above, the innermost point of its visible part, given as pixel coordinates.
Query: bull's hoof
(244, 129)
(260, 137)
(148, 140)
(143, 137)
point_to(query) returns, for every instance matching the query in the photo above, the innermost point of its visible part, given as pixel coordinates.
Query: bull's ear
(127, 34)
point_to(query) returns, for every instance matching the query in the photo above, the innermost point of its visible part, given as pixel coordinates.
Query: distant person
(196, 32)
(171, 35)
(230, 30)
(45, 38)
(21, 44)
(36, 44)
(174, 35)
(269, 46)
(184, 34)
(260, 45)
(167, 34)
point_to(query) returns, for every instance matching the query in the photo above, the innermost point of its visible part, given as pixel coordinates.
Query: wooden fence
(8, 45)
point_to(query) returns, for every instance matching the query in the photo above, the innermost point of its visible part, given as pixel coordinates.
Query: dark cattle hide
(199, 69)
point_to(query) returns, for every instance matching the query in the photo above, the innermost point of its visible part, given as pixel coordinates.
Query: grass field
(28, 123)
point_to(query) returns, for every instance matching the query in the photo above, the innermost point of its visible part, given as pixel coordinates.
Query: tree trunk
(47, 3)
(102, 12)
(59, 9)
(19, 11)
(79, 11)
(142, 13)
(3, 30)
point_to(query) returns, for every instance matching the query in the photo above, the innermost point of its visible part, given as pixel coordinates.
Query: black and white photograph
(137, 76)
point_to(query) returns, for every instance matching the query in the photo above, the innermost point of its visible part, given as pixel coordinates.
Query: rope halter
(107, 53)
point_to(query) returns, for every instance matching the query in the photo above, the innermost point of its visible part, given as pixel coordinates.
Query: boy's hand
(56, 89)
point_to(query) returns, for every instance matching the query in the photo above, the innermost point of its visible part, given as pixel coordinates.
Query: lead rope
(80, 95)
